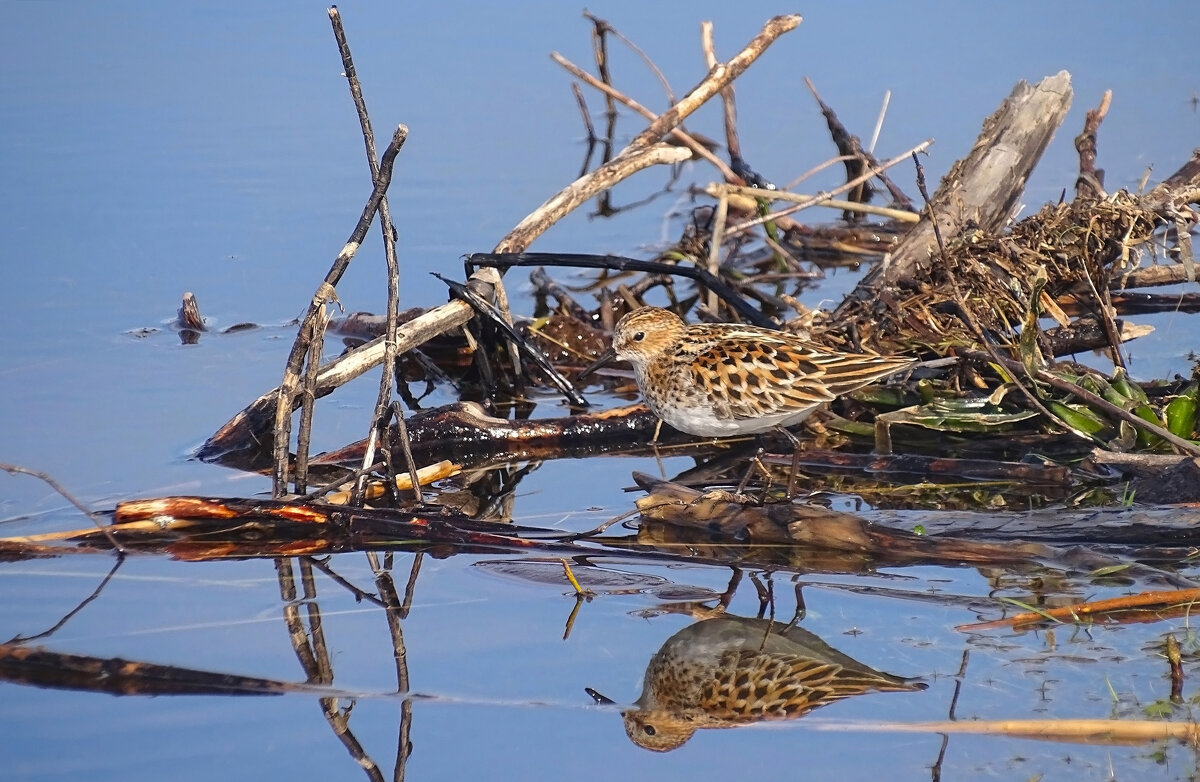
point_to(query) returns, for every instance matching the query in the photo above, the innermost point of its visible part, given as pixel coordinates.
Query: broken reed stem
(732, 143)
(308, 400)
(602, 24)
(388, 230)
(286, 393)
(749, 196)
(1090, 182)
(714, 246)
(822, 197)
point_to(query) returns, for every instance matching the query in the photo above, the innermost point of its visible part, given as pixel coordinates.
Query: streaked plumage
(730, 671)
(717, 380)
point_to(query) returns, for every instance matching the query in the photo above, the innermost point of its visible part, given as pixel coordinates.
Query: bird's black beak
(605, 357)
(601, 700)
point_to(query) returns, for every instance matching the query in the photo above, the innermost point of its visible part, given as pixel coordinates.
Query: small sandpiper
(726, 379)
(730, 671)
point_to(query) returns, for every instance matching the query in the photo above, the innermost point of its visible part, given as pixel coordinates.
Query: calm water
(148, 150)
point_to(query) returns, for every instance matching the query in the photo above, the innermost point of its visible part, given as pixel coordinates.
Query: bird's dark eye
(649, 730)
(638, 336)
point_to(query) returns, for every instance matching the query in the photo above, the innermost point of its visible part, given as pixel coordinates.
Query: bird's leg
(735, 579)
(765, 596)
(801, 608)
(791, 487)
(755, 464)
(654, 444)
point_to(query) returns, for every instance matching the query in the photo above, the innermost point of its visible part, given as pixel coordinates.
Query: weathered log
(982, 188)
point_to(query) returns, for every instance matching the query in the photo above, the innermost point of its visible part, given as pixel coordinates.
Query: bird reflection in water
(730, 671)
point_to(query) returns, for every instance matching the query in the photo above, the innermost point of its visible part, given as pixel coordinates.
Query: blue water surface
(151, 149)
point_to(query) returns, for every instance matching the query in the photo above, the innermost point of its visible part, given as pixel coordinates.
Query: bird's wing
(752, 378)
(845, 372)
(753, 685)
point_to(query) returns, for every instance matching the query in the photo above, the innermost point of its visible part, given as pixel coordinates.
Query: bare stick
(732, 143)
(389, 248)
(636, 50)
(749, 195)
(308, 400)
(13, 469)
(286, 393)
(821, 197)
(1090, 183)
(679, 135)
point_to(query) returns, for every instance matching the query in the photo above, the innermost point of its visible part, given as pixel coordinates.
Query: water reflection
(730, 670)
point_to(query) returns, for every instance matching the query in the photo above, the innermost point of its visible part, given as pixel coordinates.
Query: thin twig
(286, 393)
(342, 581)
(66, 617)
(833, 161)
(844, 187)
(14, 469)
(636, 50)
(682, 136)
(755, 193)
(308, 399)
(592, 140)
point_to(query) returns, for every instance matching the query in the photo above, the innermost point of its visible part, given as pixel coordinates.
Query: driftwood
(204, 528)
(981, 189)
(115, 676)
